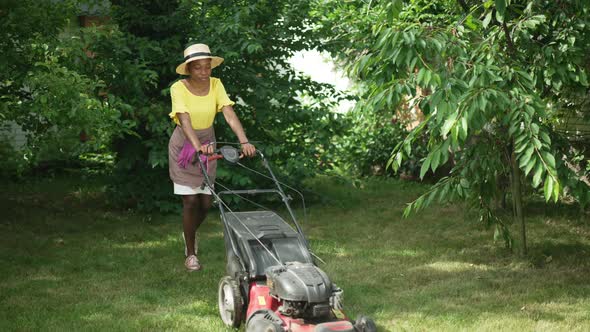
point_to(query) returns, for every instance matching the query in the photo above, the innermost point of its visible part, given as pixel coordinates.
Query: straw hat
(196, 52)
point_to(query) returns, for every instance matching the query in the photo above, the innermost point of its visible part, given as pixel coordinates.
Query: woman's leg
(205, 202)
(190, 211)
(195, 208)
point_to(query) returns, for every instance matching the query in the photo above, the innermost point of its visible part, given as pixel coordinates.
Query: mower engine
(303, 290)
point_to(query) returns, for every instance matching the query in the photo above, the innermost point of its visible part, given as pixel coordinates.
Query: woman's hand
(206, 149)
(248, 149)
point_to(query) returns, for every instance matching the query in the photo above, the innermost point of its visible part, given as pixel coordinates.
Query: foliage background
(100, 95)
(494, 80)
(111, 83)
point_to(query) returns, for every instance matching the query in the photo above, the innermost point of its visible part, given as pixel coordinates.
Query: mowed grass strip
(68, 262)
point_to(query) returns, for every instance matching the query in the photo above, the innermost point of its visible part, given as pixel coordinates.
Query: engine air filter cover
(299, 282)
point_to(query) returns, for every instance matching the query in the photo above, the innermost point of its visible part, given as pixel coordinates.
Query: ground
(70, 262)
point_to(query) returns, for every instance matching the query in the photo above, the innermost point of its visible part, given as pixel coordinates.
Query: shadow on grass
(462, 292)
(70, 263)
(121, 283)
(537, 208)
(435, 271)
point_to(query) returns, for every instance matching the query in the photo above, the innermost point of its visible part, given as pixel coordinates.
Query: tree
(40, 90)
(111, 82)
(491, 78)
(136, 57)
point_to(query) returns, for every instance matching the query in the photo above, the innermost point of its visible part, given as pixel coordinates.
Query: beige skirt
(191, 176)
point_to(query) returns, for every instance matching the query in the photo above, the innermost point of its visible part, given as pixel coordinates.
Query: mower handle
(219, 154)
(214, 156)
(231, 155)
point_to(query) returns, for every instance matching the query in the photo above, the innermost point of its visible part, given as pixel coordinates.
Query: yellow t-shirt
(202, 109)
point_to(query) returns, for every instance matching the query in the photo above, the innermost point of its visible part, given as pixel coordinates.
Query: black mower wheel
(259, 323)
(365, 324)
(230, 302)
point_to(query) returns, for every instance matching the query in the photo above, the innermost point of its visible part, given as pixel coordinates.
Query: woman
(195, 101)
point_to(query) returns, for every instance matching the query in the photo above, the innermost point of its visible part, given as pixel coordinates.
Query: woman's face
(200, 69)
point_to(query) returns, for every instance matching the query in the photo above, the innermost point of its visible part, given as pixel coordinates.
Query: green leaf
(464, 128)
(443, 107)
(513, 128)
(483, 101)
(407, 148)
(449, 122)
(464, 183)
(460, 190)
(545, 137)
(500, 10)
(487, 19)
(437, 44)
(455, 135)
(549, 159)
(252, 48)
(526, 156)
(530, 166)
(556, 191)
(443, 194)
(425, 167)
(520, 148)
(430, 198)
(418, 203)
(420, 75)
(435, 160)
(520, 138)
(397, 161)
(436, 79)
(427, 76)
(406, 37)
(408, 210)
(548, 189)
(539, 171)
(396, 8)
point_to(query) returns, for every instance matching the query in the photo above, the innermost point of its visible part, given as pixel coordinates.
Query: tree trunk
(517, 202)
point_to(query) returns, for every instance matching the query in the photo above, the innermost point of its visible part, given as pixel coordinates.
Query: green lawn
(68, 262)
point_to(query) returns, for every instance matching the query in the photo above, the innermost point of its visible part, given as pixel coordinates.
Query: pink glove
(205, 160)
(187, 154)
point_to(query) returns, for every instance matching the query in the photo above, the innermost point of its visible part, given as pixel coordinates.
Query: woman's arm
(189, 133)
(233, 121)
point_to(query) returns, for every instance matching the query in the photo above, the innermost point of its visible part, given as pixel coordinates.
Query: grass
(68, 262)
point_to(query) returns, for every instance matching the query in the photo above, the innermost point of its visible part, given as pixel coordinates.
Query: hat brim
(181, 68)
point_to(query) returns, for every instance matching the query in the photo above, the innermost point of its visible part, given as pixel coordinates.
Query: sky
(319, 67)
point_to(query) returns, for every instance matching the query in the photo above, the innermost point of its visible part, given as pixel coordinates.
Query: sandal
(184, 241)
(192, 263)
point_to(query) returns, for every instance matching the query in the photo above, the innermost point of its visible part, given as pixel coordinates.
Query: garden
(453, 195)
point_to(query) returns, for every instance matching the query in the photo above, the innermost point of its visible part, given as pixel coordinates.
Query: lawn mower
(272, 283)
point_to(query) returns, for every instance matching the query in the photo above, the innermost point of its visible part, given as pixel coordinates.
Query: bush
(369, 142)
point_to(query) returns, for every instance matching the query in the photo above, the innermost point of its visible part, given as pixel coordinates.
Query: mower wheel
(230, 302)
(259, 323)
(365, 324)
